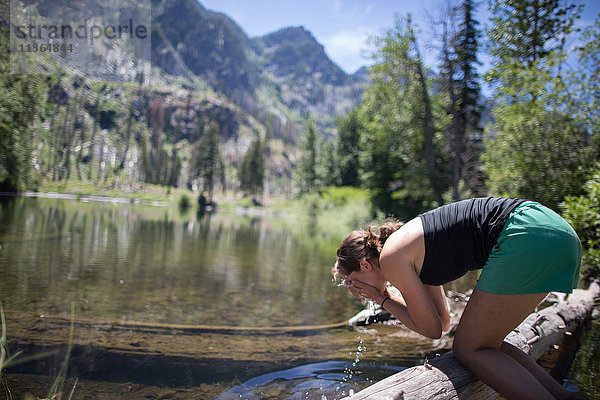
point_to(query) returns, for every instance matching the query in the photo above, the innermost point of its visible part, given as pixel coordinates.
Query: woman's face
(369, 274)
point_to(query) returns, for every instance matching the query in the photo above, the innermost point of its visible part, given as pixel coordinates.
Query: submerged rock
(370, 316)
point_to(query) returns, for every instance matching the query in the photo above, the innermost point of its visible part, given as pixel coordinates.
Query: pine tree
(461, 82)
(537, 145)
(329, 165)
(208, 158)
(526, 31)
(399, 143)
(348, 157)
(589, 79)
(307, 168)
(252, 170)
(523, 33)
(22, 98)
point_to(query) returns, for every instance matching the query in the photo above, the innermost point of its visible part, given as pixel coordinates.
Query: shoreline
(262, 211)
(82, 197)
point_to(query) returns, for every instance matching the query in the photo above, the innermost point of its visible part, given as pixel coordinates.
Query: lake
(227, 275)
(175, 304)
(156, 264)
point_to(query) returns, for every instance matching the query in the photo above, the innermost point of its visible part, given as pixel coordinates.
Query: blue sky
(343, 26)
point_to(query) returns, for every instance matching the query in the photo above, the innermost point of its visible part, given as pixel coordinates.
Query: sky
(343, 26)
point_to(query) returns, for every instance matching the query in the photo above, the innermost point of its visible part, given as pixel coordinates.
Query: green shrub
(185, 201)
(338, 210)
(341, 196)
(583, 213)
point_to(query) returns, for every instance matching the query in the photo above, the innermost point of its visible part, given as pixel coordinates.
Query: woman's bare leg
(557, 390)
(478, 345)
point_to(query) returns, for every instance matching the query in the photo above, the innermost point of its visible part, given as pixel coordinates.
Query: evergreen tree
(583, 213)
(461, 82)
(308, 178)
(252, 169)
(467, 48)
(538, 154)
(399, 142)
(208, 158)
(526, 31)
(175, 169)
(154, 156)
(329, 165)
(348, 149)
(537, 146)
(22, 98)
(523, 32)
(588, 78)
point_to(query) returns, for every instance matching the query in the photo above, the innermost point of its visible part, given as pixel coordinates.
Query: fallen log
(445, 378)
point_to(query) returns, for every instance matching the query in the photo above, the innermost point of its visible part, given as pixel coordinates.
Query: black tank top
(459, 237)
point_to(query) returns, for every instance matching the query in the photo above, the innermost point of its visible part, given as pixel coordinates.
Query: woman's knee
(510, 350)
(465, 348)
(462, 350)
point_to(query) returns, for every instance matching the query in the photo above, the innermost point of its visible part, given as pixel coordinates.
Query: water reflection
(324, 380)
(156, 264)
(162, 267)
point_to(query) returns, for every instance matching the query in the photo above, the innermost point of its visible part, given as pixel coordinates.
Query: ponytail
(390, 226)
(363, 245)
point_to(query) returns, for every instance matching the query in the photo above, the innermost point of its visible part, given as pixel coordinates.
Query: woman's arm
(422, 306)
(416, 310)
(438, 296)
(396, 304)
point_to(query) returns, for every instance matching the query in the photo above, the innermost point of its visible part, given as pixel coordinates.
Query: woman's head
(362, 245)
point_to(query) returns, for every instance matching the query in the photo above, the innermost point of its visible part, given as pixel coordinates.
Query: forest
(420, 136)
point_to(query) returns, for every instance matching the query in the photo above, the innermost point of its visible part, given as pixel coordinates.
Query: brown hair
(362, 245)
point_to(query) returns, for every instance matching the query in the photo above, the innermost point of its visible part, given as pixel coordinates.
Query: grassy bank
(331, 209)
(142, 193)
(134, 192)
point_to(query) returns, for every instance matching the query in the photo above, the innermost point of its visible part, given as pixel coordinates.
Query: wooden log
(445, 378)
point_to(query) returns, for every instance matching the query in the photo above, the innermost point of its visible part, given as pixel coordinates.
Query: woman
(524, 249)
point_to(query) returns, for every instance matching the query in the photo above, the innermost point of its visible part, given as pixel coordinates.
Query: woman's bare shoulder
(405, 242)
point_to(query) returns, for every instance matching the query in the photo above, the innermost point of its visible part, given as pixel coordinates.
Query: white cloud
(346, 48)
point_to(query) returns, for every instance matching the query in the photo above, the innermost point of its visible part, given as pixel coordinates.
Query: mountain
(188, 37)
(307, 80)
(142, 121)
(289, 65)
(285, 75)
(294, 53)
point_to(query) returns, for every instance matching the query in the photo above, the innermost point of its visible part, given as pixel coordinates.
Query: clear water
(324, 380)
(158, 265)
(584, 374)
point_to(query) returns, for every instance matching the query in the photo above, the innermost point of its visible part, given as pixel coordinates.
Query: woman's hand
(365, 291)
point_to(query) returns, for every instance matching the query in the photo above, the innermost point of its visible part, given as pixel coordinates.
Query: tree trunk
(428, 128)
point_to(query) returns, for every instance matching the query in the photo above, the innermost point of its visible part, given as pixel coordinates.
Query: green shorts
(536, 252)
